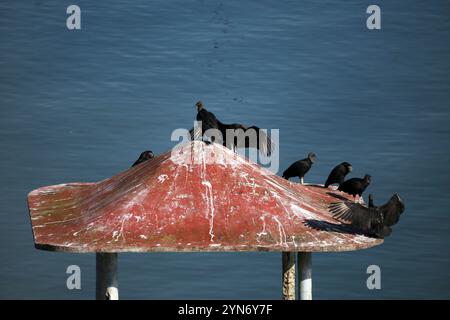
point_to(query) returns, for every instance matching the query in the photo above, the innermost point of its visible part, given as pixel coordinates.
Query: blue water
(81, 105)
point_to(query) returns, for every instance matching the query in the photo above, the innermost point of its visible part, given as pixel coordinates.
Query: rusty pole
(305, 275)
(288, 275)
(107, 286)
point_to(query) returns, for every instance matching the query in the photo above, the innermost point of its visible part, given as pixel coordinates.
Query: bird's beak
(350, 168)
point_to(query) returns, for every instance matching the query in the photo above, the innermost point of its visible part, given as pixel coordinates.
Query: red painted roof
(196, 197)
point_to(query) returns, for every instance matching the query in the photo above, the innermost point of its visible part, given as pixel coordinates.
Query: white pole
(288, 275)
(305, 273)
(107, 286)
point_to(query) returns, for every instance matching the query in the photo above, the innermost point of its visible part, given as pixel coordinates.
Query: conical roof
(195, 197)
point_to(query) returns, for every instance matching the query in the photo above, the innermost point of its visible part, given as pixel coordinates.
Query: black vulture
(208, 119)
(146, 155)
(373, 220)
(355, 186)
(338, 174)
(240, 135)
(300, 167)
(371, 204)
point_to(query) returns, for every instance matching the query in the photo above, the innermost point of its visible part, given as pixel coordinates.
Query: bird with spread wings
(374, 220)
(241, 135)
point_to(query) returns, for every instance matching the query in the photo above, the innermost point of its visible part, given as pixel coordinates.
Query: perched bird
(300, 167)
(208, 119)
(338, 174)
(371, 205)
(146, 155)
(373, 220)
(240, 136)
(355, 186)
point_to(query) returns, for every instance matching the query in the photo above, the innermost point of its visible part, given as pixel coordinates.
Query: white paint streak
(302, 213)
(210, 201)
(163, 178)
(263, 231)
(282, 233)
(198, 152)
(209, 197)
(117, 234)
(293, 241)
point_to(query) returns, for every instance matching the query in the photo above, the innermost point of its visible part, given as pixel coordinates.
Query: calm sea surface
(81, 105)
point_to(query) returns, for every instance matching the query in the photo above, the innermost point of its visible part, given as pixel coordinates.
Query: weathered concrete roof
(196, 197)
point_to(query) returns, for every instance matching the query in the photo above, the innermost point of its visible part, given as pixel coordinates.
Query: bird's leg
(360, 199)
(301, 180)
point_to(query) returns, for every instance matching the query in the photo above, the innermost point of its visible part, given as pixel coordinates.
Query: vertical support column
(107, 286)
(288, 275)
(305, 275)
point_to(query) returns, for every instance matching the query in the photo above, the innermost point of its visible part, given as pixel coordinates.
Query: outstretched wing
(248, 137)
(358, 215)
(265, 143)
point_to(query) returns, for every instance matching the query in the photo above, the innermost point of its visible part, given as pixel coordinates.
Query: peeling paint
(215, 201)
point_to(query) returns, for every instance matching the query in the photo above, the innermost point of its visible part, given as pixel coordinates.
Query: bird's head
(399, 201)
(368, 178)
(147, 155)
(348, 166)
(312, 157)
(199, 105)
